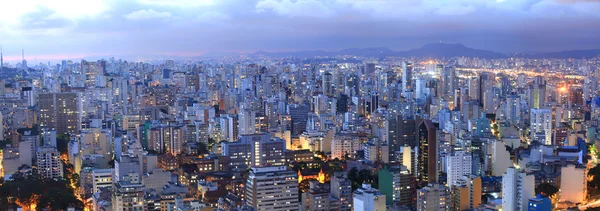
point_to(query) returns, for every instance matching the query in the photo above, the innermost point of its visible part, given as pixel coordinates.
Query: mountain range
(432, 50)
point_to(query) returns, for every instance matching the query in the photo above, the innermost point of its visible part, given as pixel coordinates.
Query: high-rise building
(60, 111)
(255, 150)
(541, 125)
(341, 190)
(458, 165)
(466, 193)
(573, 183)
(407, 74)
(368, 198)
(128, 196)
(398, 185)
(517, 189)
(317, 198)
(433, 197)
(48, 162)
(449, 83)
(537, 93)
(101, 178)
(427, 156)
(512, 111)
(272, 188)
(407, 132)
(246, 121)
(327, 84)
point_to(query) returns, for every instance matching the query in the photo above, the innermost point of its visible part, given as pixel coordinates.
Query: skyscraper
(541, 125)
(427, 156)
(272, 188)
(407, 73)
(517, 189)
(327, 84)
(458, 165)
(60, 111)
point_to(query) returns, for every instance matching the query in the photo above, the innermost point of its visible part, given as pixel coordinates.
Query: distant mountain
(433, 50)
(439, 50)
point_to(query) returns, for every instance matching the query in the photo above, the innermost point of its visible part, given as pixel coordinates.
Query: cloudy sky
(57, 29)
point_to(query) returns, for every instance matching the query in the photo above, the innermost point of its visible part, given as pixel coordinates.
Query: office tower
(1, 63)
(91, 70)
(517, 189)
(60, 111)
(128, 196)
(369, 68)
(458, 165)
(421, 91)
(327, 84)
(398, 185)
(272, 188)
(101, 178)
(466, 193)
(486, 92)
(48, 163)
(573, 184)
(473, 84)
(407, 132)
(541, 125)
(449, 83)
(341, 190)
(407, 73)
(433, 197)
(427, 156)
(512, 112)
(317, 198)
(256, 150)
(299, 115)
(368, 198)
(537, 93)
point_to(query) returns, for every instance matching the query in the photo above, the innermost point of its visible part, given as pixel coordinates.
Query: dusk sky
(57, 29)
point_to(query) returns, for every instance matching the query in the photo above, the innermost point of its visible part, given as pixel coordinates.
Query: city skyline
(72, 30)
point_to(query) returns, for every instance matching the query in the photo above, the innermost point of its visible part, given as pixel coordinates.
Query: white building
(541, 122)
(343, 144)
(48, 162)
(517, 189)
(101, 178)
(272, 188)
(573, 184)
(458, 165)
(368, 198)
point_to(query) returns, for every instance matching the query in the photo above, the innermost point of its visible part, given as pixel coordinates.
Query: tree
(62, 143)
(202, 148)
(546, 189)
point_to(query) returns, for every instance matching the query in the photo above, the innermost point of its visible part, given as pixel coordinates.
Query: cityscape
(184, 105)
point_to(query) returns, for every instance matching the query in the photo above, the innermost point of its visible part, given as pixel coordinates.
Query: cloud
(178, 3)
(146, 14)
(299, 8)
(215, 17)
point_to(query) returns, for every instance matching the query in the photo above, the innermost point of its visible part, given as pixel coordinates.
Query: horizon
(68, 28)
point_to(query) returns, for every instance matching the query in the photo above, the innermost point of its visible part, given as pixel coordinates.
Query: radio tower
(1, 60)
